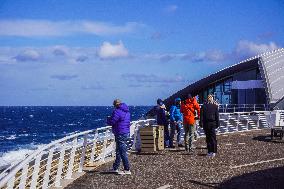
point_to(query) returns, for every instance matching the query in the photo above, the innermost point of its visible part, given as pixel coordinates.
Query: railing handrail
(16, 167)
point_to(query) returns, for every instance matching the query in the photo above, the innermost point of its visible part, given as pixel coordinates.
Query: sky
(89, 52)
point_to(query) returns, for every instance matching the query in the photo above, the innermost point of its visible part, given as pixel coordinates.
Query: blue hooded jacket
(175, 114)
(120, 120)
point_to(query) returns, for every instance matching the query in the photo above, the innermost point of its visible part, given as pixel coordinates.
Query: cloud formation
(47, 28)
(171, 8)
(60, 51)
(27, 55)
(64, 77)
(246, 49)
(151, 78)
(111, 51)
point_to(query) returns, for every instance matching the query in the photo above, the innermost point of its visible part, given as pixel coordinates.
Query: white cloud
(27, 55)
(246, 49)
(38, 28)
(60, 51)
(171, 8)
(152, 78)
(110, 51)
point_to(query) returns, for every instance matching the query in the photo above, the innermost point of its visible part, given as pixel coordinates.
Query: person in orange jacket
(188, 109)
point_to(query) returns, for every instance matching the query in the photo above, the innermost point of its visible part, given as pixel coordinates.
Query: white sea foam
(21, 135)
(14, 156)
(12, 137)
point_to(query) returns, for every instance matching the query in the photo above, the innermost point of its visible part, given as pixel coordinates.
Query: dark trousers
(211, 139)
(121, 152)
(166, 135)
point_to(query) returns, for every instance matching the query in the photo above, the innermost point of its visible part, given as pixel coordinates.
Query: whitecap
(12, 137)
(14, 156)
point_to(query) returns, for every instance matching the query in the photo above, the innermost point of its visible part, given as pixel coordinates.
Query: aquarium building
(257, 82)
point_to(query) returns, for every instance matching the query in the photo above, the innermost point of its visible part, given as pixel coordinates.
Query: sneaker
(113, 171)
(211, 154)
(124, 172)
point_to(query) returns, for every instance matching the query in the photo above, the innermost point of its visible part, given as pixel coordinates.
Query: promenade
(244, 160)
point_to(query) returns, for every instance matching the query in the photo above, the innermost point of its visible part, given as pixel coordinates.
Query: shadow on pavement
(268, 178)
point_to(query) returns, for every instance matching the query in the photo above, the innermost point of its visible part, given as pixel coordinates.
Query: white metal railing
(61, 159)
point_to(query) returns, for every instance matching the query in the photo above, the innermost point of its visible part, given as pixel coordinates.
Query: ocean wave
(12, 137)
(14, 156)
(21, 135)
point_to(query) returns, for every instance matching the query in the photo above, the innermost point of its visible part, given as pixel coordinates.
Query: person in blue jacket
(176, 122)
(120, 122)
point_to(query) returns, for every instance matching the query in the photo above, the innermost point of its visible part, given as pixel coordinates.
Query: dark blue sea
(24, 129)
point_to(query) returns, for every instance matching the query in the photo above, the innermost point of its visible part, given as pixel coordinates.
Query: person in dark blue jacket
(176, 122)
(161, 112)
(120, 122)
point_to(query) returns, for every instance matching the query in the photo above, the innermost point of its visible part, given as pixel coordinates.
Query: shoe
(171, 146)
(113, 171)
(211, 154)
(124, 172)
(180, 145)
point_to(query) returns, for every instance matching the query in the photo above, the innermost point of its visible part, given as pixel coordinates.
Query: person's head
(116, 103)
(160, 102)
(189, 96)
(177, 101)
(210, 99)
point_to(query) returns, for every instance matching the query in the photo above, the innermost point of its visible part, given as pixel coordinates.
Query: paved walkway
(244, 160)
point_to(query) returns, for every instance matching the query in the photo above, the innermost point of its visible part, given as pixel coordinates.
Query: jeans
(121, 152)
(175, 126)
(189, 131)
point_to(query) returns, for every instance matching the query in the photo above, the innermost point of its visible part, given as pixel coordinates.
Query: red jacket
(188, 109)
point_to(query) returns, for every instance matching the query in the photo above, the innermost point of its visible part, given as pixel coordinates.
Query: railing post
(134, 138)
(60, 165)
(72, 157)
(82, 159)
(10, 184)
(238, 121)
(104, 147)
(23, 180)
(92, 159)
(36, 171)
(48, 167)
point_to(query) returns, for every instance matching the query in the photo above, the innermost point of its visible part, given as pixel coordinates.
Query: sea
(24, 129)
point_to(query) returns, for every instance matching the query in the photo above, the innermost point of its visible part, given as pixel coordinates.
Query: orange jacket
(188, 109)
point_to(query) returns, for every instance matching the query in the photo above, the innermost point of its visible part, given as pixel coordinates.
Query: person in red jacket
(188, 109)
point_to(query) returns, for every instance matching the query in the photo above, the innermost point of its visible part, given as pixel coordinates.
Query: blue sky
(86, 52)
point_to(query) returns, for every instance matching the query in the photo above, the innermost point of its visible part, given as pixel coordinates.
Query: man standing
(120, 122)
(209, 121)
(176, 122)
(188, 109)
(161, 112)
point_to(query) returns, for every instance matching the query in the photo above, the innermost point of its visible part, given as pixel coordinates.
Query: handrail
(96, 146)
(79, 141)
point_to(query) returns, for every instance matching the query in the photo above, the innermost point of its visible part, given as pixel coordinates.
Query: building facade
(257, 81)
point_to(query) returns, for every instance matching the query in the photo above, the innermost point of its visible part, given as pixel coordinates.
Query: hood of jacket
(123, 107)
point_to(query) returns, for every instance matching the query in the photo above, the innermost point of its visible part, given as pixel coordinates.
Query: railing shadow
(268, 178)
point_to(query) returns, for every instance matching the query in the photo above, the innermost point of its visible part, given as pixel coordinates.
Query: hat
(160, 101)
(178, 99)
(189, 96)
(116, 102)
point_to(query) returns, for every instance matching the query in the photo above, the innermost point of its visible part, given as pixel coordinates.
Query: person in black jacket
(209, 120)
